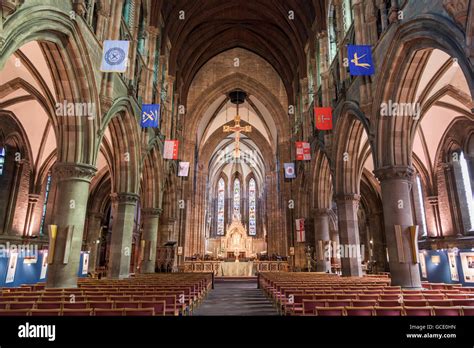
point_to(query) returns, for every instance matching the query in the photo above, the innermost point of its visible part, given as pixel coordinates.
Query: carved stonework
(105, 103)
(10, 6)
(124, 198)
(73, 171)
(458, 10)
(33, 198)
(395, 172)
(321, 212)
(79, 7)
(347, 197)
(151, 212)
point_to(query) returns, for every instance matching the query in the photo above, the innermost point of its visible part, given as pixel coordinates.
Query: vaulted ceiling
(264, 27)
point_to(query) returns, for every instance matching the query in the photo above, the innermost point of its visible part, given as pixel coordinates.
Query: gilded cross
(237, 128)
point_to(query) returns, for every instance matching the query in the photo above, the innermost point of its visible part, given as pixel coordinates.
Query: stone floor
(236, 297)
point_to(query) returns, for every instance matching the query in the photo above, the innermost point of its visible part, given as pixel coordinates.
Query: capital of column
(321, 212)
(433, 200)
(151, 212)
(395, 173)
(124, 198)
(63, 171)
(33, 198)
(95, 215)
(344, 197)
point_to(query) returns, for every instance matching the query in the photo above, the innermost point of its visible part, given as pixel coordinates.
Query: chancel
(245, 157)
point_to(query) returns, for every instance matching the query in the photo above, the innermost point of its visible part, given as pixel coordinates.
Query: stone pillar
(124, 206)
(396, 183)
(150, 218)
(93, 236)
(347, 206)
(70, 210)
(32, 201)
(321, 228)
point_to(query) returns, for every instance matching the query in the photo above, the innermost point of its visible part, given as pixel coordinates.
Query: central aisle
(236, 297)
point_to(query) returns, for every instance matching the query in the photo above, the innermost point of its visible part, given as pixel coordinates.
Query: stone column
(396, 183)
(93, 236)
(32, 201)
(70, 210)
(124, 206)
(347, 206)
(150, 218)
(321, 228)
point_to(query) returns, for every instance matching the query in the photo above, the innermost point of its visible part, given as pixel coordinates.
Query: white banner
(453, 267)
(44, 265)
(12, 267)
(467, 261)
(183, 169)
(115, 56)
(85, 263)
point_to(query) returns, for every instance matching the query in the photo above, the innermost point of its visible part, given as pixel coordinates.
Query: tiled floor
(236, 297)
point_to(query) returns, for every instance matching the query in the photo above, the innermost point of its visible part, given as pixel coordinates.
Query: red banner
(323, 117)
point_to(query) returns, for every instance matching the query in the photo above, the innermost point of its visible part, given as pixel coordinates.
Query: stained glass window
(45, 203)
(252, 208)
(220, 207)
(2, 159)
(237, 198)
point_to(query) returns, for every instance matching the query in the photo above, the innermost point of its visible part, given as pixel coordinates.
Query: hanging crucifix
(237, 128)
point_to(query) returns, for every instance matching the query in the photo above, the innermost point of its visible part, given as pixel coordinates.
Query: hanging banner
(323, 118)
(44, 265)
(290, 172)
(467, 262)
(360, 60)
(85, 263)
(150, 115)
(13, 260)
(303, 151)
(300, 232)
(115, 56)
(424, 273)
(453, 268)
(171, 149)
(183, 169)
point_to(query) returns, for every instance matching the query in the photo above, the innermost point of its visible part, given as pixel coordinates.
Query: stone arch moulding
(427, 32)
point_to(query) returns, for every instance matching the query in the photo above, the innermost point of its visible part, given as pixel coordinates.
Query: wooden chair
(329, 312)
(468, 311)
(139, 312)
(418, 311)
(360, 311)
(45, 312)
(15, 313)
(388, 311)
(102, 312)
(127, 304)
(415, 303)
(310, 305)
(447, 311)
(77, 312)
(159, 307)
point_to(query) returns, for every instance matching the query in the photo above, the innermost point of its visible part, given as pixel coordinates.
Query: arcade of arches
(103, 178)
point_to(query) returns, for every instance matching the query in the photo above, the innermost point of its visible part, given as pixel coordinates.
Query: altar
(236, 269)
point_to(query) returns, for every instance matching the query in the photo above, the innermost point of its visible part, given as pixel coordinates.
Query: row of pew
(331, 295)
(143, 295)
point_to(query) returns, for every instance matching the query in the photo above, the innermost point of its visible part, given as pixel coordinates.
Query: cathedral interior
(257, 142)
